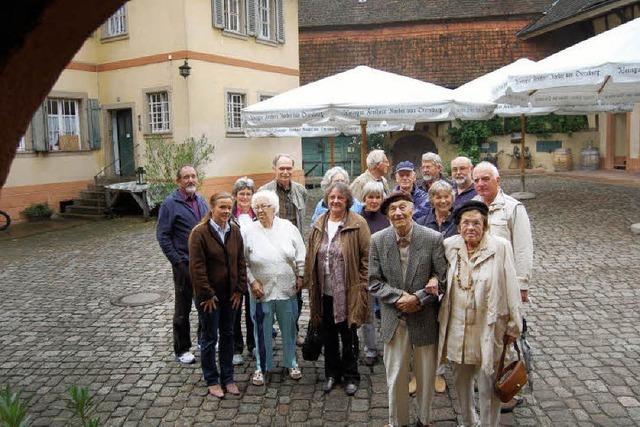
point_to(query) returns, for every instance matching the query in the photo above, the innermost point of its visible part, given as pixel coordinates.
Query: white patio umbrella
(604, 69)
(355, 101)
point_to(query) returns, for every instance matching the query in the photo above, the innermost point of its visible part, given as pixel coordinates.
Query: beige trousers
(397, 355)
(488, 401)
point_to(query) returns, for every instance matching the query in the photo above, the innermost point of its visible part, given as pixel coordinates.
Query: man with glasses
(461, 173)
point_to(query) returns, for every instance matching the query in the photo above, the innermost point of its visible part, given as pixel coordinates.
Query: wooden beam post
(364, 149)
(332, 154)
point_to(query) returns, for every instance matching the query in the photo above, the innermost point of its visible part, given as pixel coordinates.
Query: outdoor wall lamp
(185, 69)
(140, 176)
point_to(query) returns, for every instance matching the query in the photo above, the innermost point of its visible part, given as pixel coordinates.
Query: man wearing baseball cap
(406, 178)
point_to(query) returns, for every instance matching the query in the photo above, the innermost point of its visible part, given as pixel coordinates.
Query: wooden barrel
(562, 160)
(589, 159)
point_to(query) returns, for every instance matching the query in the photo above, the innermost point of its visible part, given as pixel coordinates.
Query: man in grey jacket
(402, 259)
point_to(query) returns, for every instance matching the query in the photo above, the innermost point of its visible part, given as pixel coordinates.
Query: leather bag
(511, 379)
(312, 346)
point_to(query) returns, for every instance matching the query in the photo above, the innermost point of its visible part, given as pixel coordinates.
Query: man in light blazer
(402, 259)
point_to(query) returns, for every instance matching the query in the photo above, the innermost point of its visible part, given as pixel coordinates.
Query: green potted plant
(37, 212)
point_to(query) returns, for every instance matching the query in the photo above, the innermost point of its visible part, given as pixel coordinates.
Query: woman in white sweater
(274, 252)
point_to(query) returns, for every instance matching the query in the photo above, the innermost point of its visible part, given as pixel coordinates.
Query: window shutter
(251, 17)
(217, 12)
(39, 130)
(93, 117)
(280, 21)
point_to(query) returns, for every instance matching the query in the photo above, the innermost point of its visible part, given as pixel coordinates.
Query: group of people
(443, 264)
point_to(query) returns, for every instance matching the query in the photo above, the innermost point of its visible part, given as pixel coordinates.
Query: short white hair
(439, 186)
(331, 173)
(432, 157)
(372, 187)
(374, 157)
(269, 195)
(487, 166)
(466, 159)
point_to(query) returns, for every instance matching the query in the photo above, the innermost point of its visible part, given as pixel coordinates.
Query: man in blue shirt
(179, 213)
(406, 179)
(461, 172)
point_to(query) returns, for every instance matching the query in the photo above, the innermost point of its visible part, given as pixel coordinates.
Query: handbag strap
(504, 351)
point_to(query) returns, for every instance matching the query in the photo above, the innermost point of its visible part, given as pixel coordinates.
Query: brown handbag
(511, 379)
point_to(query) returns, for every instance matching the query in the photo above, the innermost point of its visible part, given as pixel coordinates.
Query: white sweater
(274, 256)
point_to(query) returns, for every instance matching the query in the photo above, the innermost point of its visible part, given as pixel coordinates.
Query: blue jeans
(262, 313)
(214, 324)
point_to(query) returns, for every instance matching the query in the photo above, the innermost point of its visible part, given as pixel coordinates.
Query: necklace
(457, 277)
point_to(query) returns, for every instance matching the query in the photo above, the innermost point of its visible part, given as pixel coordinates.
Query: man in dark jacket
(179, 213)
(406, 179)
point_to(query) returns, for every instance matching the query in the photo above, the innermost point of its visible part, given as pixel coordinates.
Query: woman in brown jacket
(336, 274)
(219, 276)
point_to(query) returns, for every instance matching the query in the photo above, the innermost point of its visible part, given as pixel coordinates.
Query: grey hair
(432, 157)
(331, 173)
(438, 186)
(488, 167)
(343, 189)
(374, 157)
(372, 187)
(281, 155)
(468, 160)
(188, 165)
(271, 196)
(243, 183)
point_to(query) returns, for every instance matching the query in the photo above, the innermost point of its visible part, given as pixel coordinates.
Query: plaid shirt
(287, 208)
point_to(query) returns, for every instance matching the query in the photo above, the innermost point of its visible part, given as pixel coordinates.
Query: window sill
(267, 42)
(235, 134)
(167, 134)
(234, 35)
(118, 37)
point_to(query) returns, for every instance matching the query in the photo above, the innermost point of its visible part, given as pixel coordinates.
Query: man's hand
(236, 300)
(209, 305)
(408, 303)
(298, 284)
(524, 295)
(432, 286)
(256, 289)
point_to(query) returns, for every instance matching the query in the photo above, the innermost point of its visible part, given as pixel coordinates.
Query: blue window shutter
(280, 20)
(217, 13)
(93, 116)
(39, 131)
(251, 17)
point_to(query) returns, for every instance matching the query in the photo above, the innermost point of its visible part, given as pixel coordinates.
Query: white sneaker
(186, 358)
(238, 359)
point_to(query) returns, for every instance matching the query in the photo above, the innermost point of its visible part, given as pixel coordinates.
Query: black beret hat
(471, 205)
(394, 197)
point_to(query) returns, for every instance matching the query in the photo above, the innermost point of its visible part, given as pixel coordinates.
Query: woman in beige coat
(480, 310)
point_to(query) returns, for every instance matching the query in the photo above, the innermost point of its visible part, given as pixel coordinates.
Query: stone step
(86, 209)
(90, 202)
(92, 194)
(81, 216)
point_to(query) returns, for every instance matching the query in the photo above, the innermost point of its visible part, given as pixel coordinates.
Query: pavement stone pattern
(59, 328)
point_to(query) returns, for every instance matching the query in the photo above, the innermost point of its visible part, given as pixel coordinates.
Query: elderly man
(402, 259)
(292, 197)
(377, 169)
(431, 171)
(406, 179)
(461, 173)
(507, 219)
(179, 213)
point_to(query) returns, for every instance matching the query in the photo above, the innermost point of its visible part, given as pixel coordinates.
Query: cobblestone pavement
(58, 327)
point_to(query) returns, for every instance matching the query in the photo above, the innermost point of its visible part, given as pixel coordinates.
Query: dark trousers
(217, 324)
(182, 310)
(339, 364)
(238, 342)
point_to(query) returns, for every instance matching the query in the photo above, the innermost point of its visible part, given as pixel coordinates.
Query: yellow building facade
(125, 85)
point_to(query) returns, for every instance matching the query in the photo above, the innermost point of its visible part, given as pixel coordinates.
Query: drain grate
(140, 298)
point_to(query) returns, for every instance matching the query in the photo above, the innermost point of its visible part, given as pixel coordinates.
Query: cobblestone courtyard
(58, 327)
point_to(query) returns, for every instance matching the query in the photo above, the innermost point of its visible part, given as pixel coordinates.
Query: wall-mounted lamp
(185, 69)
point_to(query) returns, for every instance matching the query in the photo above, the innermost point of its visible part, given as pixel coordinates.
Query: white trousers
(397, 355)
(488, 401)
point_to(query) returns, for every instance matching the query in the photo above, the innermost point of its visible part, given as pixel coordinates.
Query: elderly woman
(373, 195)
(335, 174)
(480, 310)
(274, 252)
(440, 216)
(336, 274)
(242, 213)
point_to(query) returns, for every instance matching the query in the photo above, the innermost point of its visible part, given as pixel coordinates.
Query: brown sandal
(216, 391)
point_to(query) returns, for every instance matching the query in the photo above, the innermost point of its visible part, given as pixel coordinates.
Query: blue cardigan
(176, 219)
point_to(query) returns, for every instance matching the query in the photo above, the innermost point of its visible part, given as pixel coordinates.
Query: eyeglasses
(263, 207)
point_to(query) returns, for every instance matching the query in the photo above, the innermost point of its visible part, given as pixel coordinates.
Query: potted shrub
(38, 212)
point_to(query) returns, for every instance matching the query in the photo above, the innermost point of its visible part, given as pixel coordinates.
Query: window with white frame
(265, 19)
(63, 123)
(232, 14)
(22, 144)
(158, 105)
(235, 103)
(116, 25)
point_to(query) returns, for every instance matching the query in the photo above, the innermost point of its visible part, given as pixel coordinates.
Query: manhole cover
(139, 298)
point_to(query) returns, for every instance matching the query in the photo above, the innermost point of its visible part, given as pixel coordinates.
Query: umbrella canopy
(602, 70)
(337, 104)
(493, 86)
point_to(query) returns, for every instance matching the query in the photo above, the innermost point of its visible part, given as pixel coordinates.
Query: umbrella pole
(364, 149)
(523, 126)
(332, 157)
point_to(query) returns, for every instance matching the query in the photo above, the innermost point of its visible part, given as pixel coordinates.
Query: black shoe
(328, 385)
(351, 389)
(511, 405)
